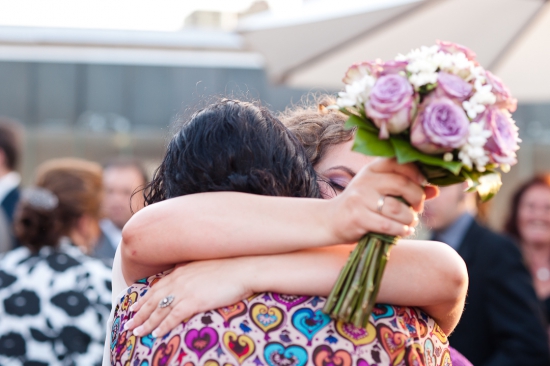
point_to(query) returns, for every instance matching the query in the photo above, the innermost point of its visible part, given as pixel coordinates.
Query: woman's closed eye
(338, 184)
(337, 179)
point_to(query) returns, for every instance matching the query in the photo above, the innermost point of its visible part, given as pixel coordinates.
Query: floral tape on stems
(435, 107)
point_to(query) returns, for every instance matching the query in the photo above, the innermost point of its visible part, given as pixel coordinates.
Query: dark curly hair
(233, 146)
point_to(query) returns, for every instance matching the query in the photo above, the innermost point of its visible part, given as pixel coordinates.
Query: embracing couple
(248, 222)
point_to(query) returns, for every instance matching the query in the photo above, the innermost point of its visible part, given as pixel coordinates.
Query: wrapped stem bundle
(354, 294)
(435, 107)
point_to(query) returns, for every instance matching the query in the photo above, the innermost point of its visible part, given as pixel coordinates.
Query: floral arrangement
(437, 107)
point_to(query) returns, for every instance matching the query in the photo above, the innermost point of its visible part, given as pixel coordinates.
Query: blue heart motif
(148, 341)
(275, 354)
(309, 322)
(382, 311)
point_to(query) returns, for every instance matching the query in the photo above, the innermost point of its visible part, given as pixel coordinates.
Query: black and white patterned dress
(53, 307)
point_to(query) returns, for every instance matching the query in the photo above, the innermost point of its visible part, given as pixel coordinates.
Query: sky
(158, 15)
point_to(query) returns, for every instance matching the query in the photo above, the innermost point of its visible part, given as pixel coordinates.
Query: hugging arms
(286, 245)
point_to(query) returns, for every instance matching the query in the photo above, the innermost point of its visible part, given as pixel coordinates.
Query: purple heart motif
(201, 341)
(362, 362)
(290, 301)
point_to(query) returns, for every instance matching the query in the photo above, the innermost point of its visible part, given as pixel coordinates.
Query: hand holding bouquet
(436, 107)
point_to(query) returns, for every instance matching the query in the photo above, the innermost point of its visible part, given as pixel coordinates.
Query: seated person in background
(10, 153)
(121, 177)
(55, 299)
(502, 324)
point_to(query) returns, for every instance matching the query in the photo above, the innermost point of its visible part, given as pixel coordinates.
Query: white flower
(423, 78)
(356, 93)
(473, 153)
(481, 98)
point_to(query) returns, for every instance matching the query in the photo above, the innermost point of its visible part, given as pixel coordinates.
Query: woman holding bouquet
(311, 272)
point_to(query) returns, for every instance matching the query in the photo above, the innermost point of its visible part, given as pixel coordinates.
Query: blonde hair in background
(317, 127)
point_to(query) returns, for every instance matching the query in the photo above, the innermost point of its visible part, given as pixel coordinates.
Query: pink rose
(440, 126)
(453, 86)
(504, 97)
(393, 67)
(374, 68)
(391, 104)
(358, 70)
(450, 47)
(503, 142)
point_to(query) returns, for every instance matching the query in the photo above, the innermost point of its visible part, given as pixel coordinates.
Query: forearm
(220, 225)
(429, 275)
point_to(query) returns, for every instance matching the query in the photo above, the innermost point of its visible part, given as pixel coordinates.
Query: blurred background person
(502, 322)
(529, 224)
(121, 178)
(10, 153)
(55, 298)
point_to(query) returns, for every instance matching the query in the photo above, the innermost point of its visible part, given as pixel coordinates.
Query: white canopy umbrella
(315, 48)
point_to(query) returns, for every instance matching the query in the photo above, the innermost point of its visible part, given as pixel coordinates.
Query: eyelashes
(335, 185)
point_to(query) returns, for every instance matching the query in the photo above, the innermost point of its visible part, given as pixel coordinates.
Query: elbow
(129, 243)
(453, 268)
(453, 298)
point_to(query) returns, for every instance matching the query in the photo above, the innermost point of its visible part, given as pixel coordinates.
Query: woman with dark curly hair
(54, 298)
(292, 217)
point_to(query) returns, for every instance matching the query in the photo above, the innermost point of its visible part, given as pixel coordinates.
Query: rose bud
(503, 142)
(358, 70)
(440, 126)
(453, 87)
(450, 47)
(504, 97)
(391, 104)
(393, 67)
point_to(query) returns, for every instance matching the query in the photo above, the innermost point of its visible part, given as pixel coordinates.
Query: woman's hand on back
(355, 211)
(196, 287)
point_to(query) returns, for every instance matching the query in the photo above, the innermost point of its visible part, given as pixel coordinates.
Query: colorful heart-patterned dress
(280, 330)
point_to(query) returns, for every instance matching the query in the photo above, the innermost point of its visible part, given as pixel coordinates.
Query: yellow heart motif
(129, 300)
(266, 318)
(241, 347)
(357, 336)
(446, 359)
(438, 332)
(211, 363)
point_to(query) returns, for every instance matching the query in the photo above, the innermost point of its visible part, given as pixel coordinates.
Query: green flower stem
(369, 285)
(354, 294)
(334, 301)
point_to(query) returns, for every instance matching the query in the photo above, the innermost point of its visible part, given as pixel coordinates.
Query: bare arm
(426, 274)
(228, 224)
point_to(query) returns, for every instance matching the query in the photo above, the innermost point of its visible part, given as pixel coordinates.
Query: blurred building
(98, 94)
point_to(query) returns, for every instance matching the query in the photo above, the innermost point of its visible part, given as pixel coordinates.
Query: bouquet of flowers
(436, 107)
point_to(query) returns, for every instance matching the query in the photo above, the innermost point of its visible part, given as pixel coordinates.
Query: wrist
(246, 273)
(328, 223)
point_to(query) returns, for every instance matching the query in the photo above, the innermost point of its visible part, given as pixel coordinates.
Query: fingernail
(138, 330)
(133, 307)
(411, 231)
(128, 324)
(423, 181)
(155, 333)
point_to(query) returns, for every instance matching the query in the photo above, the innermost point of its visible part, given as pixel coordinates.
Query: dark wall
(57, 94)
